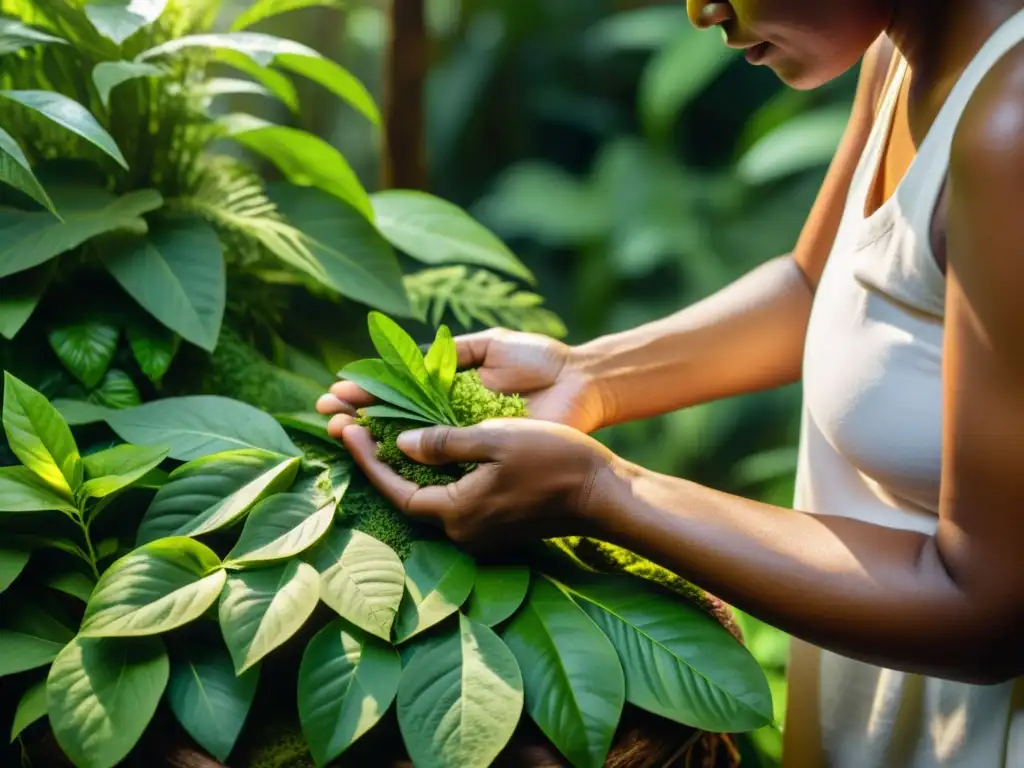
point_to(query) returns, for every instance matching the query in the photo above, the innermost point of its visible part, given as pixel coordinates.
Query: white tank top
(871, 443)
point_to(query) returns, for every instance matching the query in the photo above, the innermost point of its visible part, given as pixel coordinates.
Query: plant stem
(93, 560)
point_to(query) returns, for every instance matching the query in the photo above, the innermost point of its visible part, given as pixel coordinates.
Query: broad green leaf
(231, 86)
(361, 578)
(198, 489)
(574, 684)
(397, 348)
(15, 36)
(275, 82)
(153, 347)
(311, 423)
(102, 694)
(387, 412)
(350, 254)
(20, 294)
(442, 361)
(155, 588)
(86, 349)
(706, 679)
(279, 527)
(460, 701)
(304, 159)
(498, 592)
(40, 437)
(435, 231)
(120, 19)
(177, 274)
(117, 391)
(438, 579)
(261, 609)
(805, 141)
(209, 700)
(116, 468)
(347, 681)
(31, 238)
(384, 383)
(107, 75)
(12, 563)
(21, 651)
(74, 583)
(21, 490)
(37, 617)
(265, 9)
(264, 50)
(31, 707)
(201, 425)
(79, 412)
(14, 166)
(71, 115)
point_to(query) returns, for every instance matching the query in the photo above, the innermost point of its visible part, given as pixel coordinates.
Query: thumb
(447, 445)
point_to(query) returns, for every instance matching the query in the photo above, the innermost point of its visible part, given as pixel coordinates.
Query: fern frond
(480, 296)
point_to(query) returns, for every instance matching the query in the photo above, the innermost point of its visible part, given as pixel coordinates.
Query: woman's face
(806, 42)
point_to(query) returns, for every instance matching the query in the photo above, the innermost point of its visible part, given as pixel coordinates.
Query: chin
(806, 76)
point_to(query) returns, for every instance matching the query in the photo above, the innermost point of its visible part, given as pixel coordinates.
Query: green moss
(282, 746)
(366, 510)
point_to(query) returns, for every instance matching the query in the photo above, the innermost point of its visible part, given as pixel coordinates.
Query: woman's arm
(750, 335)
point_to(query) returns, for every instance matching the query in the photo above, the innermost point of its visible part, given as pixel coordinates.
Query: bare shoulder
(988, 148)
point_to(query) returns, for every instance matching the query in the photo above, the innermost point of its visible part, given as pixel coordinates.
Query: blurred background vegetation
(634, 164)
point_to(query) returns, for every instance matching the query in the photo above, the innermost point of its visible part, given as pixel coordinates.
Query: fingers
(391, 486)
(472, 347)
(336, 426)
(348, 392)
(448, 445)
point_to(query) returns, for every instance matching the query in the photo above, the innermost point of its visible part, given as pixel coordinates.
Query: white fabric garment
(871, 444)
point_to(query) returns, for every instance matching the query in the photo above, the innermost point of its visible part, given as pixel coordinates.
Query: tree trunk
(404, 161)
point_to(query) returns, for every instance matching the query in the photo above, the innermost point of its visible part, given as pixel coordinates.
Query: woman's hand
(535, 479)
(545, 371)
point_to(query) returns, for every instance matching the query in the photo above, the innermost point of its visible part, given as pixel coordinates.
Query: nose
(704, 15)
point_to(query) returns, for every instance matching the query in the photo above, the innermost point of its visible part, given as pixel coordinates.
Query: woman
(901, 309)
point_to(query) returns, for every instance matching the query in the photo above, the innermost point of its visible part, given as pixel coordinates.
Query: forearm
(876, 594)
(746, 337)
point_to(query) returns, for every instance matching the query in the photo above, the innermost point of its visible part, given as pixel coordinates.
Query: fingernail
(407, 441)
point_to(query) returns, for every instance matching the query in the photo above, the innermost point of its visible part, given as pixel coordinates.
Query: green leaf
(275, 82)
(31, 707)
(155, 588)
(12, 563)
(21, 651)
(279, 527)
(40, 438)
(107, 75)
(116, 468)
(177, 274)
(195, 489)
(153, 347)
(22, 490)
(442, 361)
(86, 349)
(35, 617)
(101, 696)
(347, 681)
(208, 699)
(15, 36)
(30, 238)
(20, 294)
(435, 231)
(261, 609)
(15, 169)
(706, 679)
(73, 583)
(397, 348)
(803, 142)
(266, 49)
(438, 579)
(265, 9)
(498, 592)
(361, 578)
(348, 253)
(311, 423)
(201, 425)
(387, 412)
(384, 383)
(79, 412)
(304, 159)
(71, 115)
(120, 19)
(460, 701)
(117, 391)
(574, 684)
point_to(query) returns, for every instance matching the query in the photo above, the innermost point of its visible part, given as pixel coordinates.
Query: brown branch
(404, 161)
